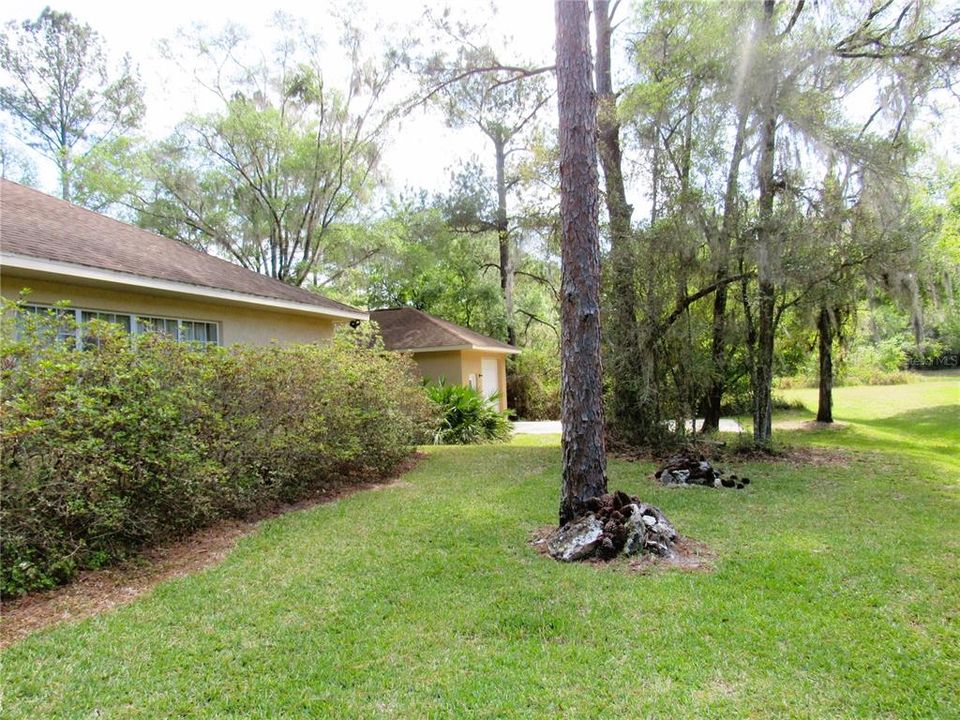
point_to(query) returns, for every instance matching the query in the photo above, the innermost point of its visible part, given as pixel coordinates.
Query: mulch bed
(95, 591)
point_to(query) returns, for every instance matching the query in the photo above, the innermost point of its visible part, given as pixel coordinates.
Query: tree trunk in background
(503, 236)
(714, 399)
(766, 237)
(584, 460)
(64, 166)
(628, 397)
(825, 331)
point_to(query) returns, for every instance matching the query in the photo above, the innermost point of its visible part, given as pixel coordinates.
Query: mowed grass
(835, 593)
(920, 420)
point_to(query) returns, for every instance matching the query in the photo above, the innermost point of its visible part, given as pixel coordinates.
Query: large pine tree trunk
(503, 236)
(825, 331)
(584, 460)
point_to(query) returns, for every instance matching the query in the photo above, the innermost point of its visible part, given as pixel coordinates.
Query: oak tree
(63, 93)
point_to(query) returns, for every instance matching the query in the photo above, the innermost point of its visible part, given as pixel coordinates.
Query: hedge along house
(446, 351)
(110, 270)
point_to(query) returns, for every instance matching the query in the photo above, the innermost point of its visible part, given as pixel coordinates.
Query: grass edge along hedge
(134, 440)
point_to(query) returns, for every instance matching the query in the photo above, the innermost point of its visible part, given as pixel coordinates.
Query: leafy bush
(466, 417)
(533, 384)
(138, 439)
(864, 363)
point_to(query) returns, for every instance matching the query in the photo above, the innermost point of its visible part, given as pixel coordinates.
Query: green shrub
(533, 385)
(466, 417)
(779, 402)
(135, 440)
(864, 363)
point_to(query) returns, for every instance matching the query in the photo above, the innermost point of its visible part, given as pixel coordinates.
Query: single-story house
(115, 271)
(446, 351)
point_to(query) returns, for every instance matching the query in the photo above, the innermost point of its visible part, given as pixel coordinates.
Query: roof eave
(457, 348)
(74, 271)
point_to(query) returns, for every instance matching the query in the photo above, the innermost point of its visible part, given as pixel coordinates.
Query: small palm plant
(466, 417)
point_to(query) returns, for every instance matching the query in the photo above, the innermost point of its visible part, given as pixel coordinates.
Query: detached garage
(446, 351)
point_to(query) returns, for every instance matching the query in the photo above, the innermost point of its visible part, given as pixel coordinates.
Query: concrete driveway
(537, 427)
(552, 427)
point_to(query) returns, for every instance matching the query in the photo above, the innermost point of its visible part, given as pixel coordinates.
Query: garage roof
(415, 330)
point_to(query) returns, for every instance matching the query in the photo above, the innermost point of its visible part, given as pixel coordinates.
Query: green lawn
(921, 419)
(835, 594)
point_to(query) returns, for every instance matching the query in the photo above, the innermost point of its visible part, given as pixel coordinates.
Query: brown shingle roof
(411, 329)
(40, 226)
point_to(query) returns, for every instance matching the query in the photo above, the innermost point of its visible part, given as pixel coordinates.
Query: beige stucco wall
(458, 365)
(238, 324)
(436, 366)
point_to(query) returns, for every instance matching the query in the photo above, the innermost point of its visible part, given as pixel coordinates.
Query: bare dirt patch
(792, 455)
(95, 591)
(808, 425)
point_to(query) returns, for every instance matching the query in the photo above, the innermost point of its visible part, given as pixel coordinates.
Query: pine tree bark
(584, 458)
(825, 332)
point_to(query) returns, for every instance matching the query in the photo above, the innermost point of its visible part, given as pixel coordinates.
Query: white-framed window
(200, 331)
(182, 330)
(66, 319)
(120, 319)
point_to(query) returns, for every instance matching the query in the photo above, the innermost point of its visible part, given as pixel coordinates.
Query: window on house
(66, 319)
(117, 318)
(162, 326)
(206, 333)
(201, 332)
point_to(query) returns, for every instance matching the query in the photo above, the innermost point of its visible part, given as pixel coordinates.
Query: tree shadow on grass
(932, 430)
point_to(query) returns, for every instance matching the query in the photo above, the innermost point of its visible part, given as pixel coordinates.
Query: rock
(687, 469)
(577, 539)
(621, 523)
(656, 545)
(636, 534)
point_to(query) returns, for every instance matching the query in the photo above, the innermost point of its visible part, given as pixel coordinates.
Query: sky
(422, 150)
